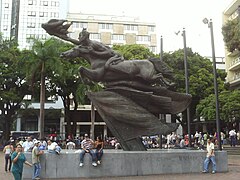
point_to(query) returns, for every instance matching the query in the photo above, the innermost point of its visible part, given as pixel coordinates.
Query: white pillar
(62, 126)
(39, 125)
(78, 131)
(104, 131)
(18, 128)
(93, 116)
(168, 118)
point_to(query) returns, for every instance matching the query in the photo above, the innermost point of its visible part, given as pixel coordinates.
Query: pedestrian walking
(18, 159)
(8, 150)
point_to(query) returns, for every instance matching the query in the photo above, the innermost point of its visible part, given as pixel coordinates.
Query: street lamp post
(160, 115)
(210, 25)
(161, 48)
(186, 84)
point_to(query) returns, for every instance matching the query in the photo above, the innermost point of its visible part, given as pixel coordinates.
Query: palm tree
(44, 59)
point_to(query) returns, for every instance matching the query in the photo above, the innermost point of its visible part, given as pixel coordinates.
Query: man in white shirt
(210, 157)
(28, 145)
(232, 136)
(71, 145)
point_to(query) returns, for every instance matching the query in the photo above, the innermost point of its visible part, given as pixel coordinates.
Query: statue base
(125, 163)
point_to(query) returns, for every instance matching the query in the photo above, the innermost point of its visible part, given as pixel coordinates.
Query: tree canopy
(133, 51)
(231, 35)
(13, 85)
(229, 106)
(200, 75)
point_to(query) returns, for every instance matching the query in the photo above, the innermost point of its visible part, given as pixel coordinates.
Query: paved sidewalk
(233, 174)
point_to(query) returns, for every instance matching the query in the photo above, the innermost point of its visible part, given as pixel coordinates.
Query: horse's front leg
(95, 75)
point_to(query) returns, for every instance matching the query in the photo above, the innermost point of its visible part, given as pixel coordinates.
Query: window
(31, 13)
(54, 3)
(151, 28)
(80, 25)
(54, 14)
(153, 49)
(44, 3)
(28, 97)
(143, 38)
(30, 2)
(118, 37)
(130, 27)
(5, 28)
(105, 26)
(43, 14)
(31, 25)
(95, 36)
(6, 5)
(83, 25)
(30, 38)
(5, 16)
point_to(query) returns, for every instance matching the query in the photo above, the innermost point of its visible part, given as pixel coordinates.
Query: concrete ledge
(125, 163)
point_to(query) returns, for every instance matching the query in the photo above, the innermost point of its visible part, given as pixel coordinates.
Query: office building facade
(22, 19)
(110, 29)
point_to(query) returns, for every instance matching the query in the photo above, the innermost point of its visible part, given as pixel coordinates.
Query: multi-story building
(110, 29)
(232, 59)
(5, 17)
(22, 19)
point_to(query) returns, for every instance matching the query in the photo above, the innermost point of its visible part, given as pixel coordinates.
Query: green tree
(231, 35)
(69, 86)
(133, 51)
(42, 62)
(13, 86)
(229, 106)
(200, 74)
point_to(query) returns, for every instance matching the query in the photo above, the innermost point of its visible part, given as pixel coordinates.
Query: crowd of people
(14, 149)
(198, 140)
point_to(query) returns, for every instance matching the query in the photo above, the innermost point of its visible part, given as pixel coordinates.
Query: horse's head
(83, 36)
(78, 51)
(72, 53)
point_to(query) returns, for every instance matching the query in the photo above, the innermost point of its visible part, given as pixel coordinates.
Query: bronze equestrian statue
(136, 91)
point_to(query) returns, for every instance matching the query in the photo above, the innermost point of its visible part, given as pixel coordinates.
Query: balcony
(233, 54)
(235, 81)
(235, 64)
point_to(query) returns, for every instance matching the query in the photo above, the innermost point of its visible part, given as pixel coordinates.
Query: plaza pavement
(232, 174)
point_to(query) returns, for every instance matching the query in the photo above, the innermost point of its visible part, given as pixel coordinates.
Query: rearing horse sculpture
(109, 66)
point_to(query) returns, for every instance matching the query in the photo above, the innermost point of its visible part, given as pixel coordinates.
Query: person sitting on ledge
(53, 147)
(99, 149)
(87, 147)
